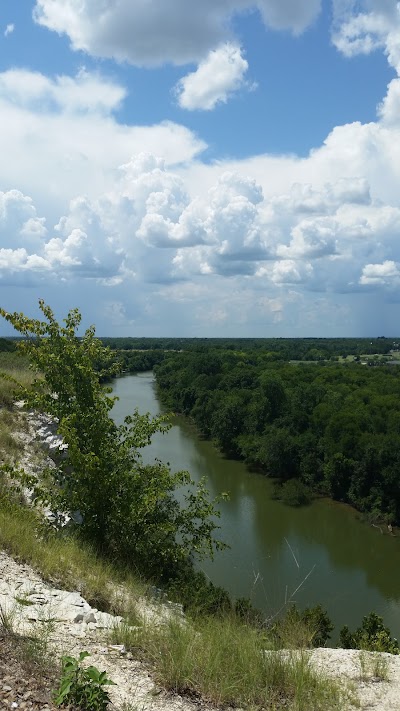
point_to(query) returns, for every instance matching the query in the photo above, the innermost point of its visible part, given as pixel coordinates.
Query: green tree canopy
(126, 508)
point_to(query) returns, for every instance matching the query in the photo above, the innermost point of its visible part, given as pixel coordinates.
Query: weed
(14, 373)
(7, 619)
(24, 601)
(374, 666)
(83, 688)
(33, 648)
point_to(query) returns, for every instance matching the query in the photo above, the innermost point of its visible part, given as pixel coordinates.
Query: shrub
(303, 628)
(293, 493)
(82, 688)
(372, 636)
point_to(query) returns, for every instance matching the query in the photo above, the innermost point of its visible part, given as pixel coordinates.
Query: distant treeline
(7, 346)
(314, 349)
(331, 429)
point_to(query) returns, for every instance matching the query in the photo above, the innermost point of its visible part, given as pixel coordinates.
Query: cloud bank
(144, 234)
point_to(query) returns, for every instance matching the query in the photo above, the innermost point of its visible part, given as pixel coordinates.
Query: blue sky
(227, 168)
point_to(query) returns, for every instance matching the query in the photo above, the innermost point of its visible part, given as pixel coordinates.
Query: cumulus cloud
(233, 238)
(278, 232)
(310, 238)
(68, 127)
(289, 271)
(119, 234)
(294, 15)
(216, 78)
(374, 24)
(19, 220)
(148, 229)
(174, 31)
(389, 108)
(380, 274)
(9, 29)
(26, 247)
(306, 199)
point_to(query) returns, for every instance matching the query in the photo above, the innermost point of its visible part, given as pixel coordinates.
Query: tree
(372, 635)
(126, 508)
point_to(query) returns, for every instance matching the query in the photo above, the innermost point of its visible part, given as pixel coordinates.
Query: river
(321, 553)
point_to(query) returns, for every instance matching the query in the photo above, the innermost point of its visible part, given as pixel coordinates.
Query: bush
(307, 628)
(127, 509)
(82, 688)
(198, 595)
(293, 493)
(372, 636)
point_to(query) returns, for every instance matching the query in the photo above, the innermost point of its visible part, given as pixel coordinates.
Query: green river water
(321, 553)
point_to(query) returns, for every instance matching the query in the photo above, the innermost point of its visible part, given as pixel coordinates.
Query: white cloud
(310, 239)
(148, 229)
(372, 25)
(85, 92)
(261, 238)
(216, 78)
(115, 312)
(19, 220)
(306, 199)
(174, 31)
(389, 109)
(9, 29)
(289, 271)
(118, 235)
(68, 128)
(380, 274)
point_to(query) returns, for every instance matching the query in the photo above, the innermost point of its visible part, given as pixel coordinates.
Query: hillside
(54, 621)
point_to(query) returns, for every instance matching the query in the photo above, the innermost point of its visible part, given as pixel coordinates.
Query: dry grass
(67, 562)
(374, 666)
(230, 664)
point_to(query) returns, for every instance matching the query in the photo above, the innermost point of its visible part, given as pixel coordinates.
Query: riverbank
(34, 600)
(350, 566)
(57, 622)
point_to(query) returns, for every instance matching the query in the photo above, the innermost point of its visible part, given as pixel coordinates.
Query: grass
(67, 562)
(374, 666)
(33, 649)
(10, 447)
(61, 559)
(14, 368)
(7, 618)
(221, 660)
(229, 664)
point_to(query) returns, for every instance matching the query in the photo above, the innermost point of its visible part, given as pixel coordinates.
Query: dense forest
(312, 349)
(308, 412)
(330, 429)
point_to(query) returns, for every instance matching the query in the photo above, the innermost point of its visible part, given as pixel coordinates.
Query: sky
(225, 168)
